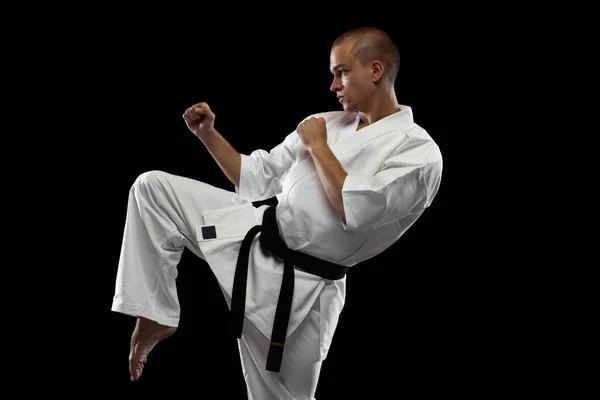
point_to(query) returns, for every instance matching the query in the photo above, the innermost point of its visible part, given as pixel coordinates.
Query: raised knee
(149, 179)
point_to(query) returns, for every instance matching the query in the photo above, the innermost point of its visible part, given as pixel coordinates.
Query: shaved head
(369, 44)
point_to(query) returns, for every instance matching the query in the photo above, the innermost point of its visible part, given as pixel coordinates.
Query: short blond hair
(369, 44)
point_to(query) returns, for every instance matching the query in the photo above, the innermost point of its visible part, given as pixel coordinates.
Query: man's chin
(347, 107)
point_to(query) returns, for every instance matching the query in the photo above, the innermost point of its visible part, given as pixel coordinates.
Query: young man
(348, 184)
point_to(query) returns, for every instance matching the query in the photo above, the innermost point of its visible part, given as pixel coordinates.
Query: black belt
(270, 240)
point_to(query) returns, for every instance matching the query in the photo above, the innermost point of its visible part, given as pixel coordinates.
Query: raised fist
(199, 119)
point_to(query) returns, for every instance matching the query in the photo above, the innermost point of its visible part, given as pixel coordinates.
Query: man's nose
(335, 86)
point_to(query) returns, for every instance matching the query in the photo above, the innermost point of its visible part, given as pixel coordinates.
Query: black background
(419, 317)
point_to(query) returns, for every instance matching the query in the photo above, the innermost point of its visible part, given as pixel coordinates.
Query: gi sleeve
(406, 184)
(262, 172)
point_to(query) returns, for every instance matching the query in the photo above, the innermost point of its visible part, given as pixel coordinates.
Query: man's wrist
(317, 146)
(208, 135)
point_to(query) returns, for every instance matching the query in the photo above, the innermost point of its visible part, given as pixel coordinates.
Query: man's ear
(377, 70)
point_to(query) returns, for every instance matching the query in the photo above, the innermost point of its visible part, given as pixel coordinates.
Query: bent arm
(406, 184)
(332, 175)
(228, 159)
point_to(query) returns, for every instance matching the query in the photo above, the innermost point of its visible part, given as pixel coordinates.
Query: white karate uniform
(394, 172)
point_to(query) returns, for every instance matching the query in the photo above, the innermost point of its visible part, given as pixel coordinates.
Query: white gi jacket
(394, 170)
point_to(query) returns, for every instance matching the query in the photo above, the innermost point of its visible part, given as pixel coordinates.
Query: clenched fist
(313, 132)
(200, 120)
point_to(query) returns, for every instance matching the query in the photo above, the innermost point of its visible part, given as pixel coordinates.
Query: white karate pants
(161, 213)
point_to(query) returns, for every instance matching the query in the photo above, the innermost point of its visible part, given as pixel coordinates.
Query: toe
(135, 371)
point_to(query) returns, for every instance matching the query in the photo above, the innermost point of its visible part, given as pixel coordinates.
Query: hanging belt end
(275, 356)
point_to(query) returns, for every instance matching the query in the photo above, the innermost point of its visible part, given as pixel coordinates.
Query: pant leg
(162, 210)
(300, 368)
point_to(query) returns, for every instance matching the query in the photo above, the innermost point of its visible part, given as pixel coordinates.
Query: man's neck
(379, 109)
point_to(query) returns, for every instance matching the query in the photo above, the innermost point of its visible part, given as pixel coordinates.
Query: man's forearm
(331, 173)
(228, 159)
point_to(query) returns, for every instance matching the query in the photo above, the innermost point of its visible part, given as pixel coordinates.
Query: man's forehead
(339, 58)
(342, 49)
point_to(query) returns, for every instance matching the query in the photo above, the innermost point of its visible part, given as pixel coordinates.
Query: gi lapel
(351, 141)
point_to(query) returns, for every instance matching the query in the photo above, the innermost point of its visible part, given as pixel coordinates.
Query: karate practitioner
(348, 184)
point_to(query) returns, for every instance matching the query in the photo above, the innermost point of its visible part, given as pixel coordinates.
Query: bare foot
(146, 335)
